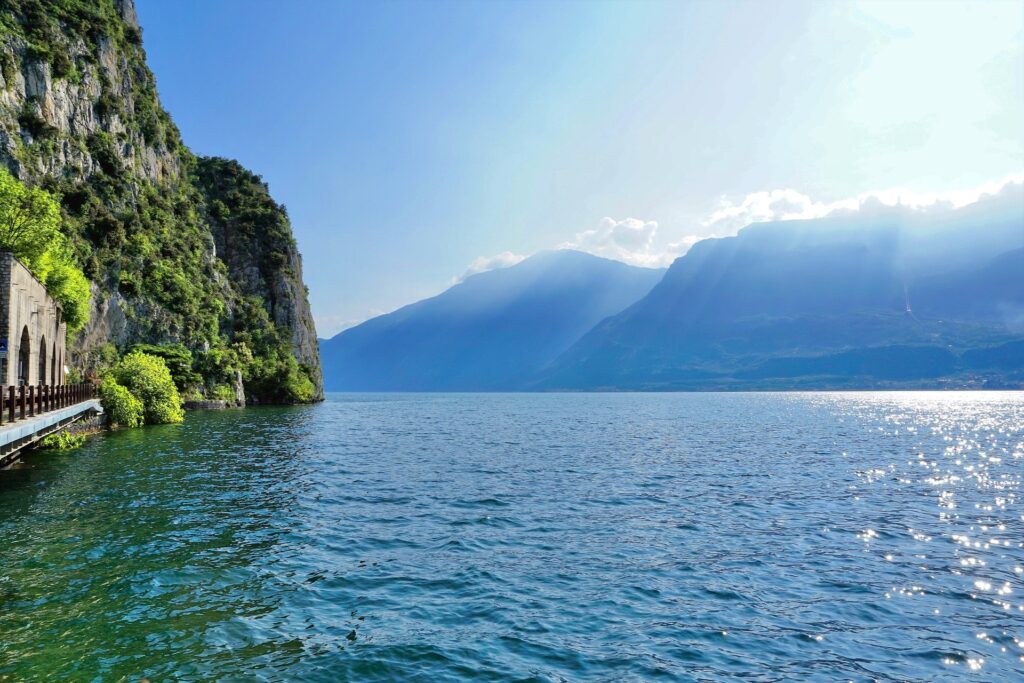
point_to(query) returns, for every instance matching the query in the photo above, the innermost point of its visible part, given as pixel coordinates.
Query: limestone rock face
(68, 112)
(80, 116)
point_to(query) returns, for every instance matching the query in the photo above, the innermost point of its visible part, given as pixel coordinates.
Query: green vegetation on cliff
(254, 240)
(30, 229)
(183, 252)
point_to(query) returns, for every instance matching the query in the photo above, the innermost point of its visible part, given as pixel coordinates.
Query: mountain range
(493, 331)
(882, 297)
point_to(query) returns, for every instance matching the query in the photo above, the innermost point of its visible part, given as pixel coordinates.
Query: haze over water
(529, 537)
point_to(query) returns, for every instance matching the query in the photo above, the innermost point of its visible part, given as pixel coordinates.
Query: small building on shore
(33, 334)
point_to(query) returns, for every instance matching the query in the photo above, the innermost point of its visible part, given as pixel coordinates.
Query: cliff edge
(181, 250)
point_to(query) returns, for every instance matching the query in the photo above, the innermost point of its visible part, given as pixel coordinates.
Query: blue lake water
(605, 537)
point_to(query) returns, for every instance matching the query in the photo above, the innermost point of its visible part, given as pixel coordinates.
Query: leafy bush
(178, 360)
(275, 376)
(223, 392)
(149, 380)
(62, 441)
(122, 409)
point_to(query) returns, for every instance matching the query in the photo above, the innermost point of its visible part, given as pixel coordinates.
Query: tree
(29, 221)
(30, 229)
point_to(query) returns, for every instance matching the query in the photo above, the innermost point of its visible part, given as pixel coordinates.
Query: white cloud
(482, 264)
(630, 240)
(643, 243)
(789, 204)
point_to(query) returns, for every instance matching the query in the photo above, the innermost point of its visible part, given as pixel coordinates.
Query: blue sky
(412, 141)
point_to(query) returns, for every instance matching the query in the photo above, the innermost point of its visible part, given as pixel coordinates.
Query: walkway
(45, 412)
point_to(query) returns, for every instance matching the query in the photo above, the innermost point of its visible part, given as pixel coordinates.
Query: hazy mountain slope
(726, 312)
(490, 332)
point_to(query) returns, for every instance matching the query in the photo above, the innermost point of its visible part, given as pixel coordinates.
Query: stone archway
(24, 356)
(42, 361)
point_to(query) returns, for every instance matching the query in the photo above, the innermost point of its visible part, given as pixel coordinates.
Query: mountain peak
(494, 330)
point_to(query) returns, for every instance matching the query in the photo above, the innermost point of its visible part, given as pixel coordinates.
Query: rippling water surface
(528, 537)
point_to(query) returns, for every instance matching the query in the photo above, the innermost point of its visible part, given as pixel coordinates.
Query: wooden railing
(23, 402)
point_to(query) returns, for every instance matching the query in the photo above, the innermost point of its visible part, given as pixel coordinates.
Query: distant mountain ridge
(882, 297)
(494, 331)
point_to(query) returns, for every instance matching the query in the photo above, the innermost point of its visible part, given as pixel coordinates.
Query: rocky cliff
(181, 250)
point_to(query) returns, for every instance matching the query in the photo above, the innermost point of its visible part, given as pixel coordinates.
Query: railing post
(10, 402)
(21, 402)
(31, 401)
(46, 399)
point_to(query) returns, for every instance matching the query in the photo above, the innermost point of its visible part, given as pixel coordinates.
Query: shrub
(223, 392)
(149, 380)
(62, 441)
(178, 360)
(278, 378)
(122, 408)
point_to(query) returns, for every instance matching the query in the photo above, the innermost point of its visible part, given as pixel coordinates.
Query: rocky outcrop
(102, 99)
(291, 311)
(176, 254)
(253, 238)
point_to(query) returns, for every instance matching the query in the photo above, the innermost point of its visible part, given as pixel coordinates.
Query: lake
(544, 537)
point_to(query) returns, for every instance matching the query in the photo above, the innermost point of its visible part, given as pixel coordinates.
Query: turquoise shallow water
(528, 537)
